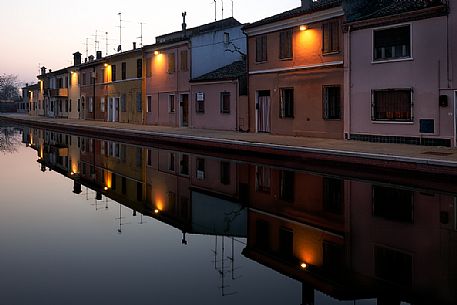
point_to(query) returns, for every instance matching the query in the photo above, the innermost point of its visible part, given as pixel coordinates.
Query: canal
(94, 221)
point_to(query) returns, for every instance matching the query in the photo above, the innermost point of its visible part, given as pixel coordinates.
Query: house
(177, 57)
(401, 83)
(295, 66)
(31, 102)
(220, 99)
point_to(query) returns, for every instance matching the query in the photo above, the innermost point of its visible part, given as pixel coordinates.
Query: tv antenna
(222, 1)
(215, 10)
(87, 47)
(96, 42)
(232, 8)
(106, 38)
(119, 48)
(141, 34)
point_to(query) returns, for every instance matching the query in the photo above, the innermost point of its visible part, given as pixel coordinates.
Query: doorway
(263, 108)
(184, 110)
(113, 109)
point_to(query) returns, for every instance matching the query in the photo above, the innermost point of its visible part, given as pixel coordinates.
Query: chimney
(134, 45)
(306, 4)
(184, 24)
(43, 70)
(91, 58)
(99, 54)
(76, 59)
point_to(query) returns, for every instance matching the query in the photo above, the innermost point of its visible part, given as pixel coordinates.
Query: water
(91, 221)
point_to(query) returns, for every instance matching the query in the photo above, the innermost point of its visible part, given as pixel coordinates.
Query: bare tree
(9, 87)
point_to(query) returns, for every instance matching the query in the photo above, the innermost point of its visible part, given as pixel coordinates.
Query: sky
(48, 32)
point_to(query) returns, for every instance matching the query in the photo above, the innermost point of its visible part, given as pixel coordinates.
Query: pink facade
(211, 115)
(424, 69)
(167, 84)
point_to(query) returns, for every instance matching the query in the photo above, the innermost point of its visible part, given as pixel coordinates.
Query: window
(124, 70)
(66, 105)
(148, 67)
(102, 104)
(392, 43)
(171, 103)
(333, 195)
(287, 186)
(285, 44)
(200, 102)
(113, 73)
(69, 105)
(139, 68)
(79, 105)
(149, 103)
(171, 162)
(225, 102)
(393, 204)
(139, 102)
(286, 103)
(332, 103)
(261, 48)
(123, 103)
(392, 105)
(184, 61)
(200, 169)
(226, 38)
(84, 79)
(331, 37)
(225, 172)
(91, 104)
(171, 62)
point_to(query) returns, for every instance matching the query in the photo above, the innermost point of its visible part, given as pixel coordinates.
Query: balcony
(63, 92)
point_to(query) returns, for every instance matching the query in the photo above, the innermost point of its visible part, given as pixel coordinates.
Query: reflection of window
(139, 156)
(262, 236)
(393, 266)
(286, 242)
(184, 165)
(172, 201)
(392, 105)
(139, 191)
(392, 43)
(225, 172)
(149, 157)
(200, 169)
(263, 179)
(287, 183)
(393, 204)
(171, 162)
(124, 185)
(333, 195)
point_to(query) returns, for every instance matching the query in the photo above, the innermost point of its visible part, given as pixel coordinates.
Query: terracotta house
(402, 77)
(295, 66)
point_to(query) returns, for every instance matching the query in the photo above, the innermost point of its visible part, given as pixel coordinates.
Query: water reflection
(342, 239)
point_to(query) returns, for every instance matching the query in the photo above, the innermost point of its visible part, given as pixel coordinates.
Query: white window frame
(380, 61)
(393, 122)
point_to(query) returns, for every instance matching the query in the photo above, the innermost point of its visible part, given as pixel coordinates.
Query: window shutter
(281, 104)
(326, 102)
(335, 37)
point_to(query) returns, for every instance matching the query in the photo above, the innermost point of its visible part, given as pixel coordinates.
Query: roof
(314, 7)
(233, 71)
(210, 27)
(358, 10)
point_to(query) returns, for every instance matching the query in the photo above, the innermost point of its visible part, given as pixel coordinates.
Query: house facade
(401, 81)
(295, 66)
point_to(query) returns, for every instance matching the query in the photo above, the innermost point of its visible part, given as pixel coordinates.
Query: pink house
(219, 99)
(401, 72)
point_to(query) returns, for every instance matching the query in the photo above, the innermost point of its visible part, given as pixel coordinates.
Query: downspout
(247, 81)
(93, 101)
(348, 87)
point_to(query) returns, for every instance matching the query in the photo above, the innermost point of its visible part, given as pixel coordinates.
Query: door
(263, 111)
(110, 109)
(116, 109)
(83, 108)
(184, 109)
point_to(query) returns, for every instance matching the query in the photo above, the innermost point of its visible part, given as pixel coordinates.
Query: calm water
(90, 221)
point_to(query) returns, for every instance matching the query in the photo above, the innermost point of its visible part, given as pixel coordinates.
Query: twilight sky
(48, 32)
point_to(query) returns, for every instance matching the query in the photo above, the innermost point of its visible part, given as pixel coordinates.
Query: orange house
(295, 62)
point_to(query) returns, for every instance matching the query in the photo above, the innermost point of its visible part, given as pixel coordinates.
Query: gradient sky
(48, 32)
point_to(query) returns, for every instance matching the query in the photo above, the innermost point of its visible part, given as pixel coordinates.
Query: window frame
(261, 40)
(222, 109)
(331, 49)
(385, 60)
(171, 59)
(282, 55)
(281, 106)
(324, 100)
(410, 121)
(149, 104)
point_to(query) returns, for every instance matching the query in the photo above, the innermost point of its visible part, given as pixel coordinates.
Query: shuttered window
(139, 68)
(171, 63)
(331, 37)
(184, 61)
(286, 103)
(123, 103)
(332, 103)
(285, 44)
(261, 48)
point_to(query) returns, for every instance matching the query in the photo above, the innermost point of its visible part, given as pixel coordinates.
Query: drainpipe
(347, 86)
(93, 101)
(247, 81)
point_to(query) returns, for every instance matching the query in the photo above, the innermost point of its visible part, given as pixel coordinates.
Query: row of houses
(314, 227)
(380, 71)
